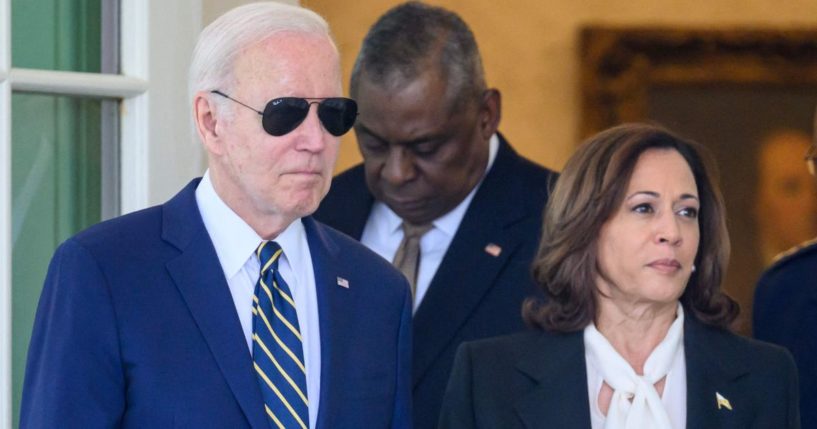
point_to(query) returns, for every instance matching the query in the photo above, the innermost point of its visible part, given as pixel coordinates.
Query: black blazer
(785, 313)
(539, 380)
(473, 294)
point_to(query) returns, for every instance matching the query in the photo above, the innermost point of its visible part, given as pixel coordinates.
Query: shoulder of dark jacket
(804, 249)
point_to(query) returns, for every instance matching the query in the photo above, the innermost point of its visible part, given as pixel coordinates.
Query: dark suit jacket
(785, 313)
(473, 294)
(539, 380)
(136, 328)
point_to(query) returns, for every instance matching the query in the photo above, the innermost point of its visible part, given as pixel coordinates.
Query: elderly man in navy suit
(228, 306)
(440, 193)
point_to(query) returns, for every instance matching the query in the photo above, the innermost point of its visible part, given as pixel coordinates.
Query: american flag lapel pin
(343, 282)
(493, 249)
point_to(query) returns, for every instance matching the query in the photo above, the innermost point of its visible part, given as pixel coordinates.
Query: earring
(693, 268)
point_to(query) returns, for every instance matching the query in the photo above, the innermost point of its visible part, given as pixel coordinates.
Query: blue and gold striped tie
(277, 350)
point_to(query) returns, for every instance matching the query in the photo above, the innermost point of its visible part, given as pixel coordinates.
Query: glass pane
(55, 180)
(56, 34)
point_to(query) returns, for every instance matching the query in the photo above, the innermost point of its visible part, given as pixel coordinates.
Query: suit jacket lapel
(200, 280)
(711, 369)
(559, 399)
(332, 305)
(495, 196)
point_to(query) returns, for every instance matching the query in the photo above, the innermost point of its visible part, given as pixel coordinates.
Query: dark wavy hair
(589, 190)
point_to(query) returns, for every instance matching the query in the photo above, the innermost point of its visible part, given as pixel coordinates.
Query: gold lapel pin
(722, 402)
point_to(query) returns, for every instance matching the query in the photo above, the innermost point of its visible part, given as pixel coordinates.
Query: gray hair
(410, 38)
(221, 42)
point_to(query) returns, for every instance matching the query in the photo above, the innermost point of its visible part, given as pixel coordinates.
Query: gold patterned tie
(407, 258)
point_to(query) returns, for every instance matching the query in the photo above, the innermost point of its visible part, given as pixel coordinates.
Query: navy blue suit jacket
(473, 294)
(785, 313)
(539, 380)
(136, 328)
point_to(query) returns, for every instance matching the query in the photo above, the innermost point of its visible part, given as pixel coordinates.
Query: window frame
(154, 124)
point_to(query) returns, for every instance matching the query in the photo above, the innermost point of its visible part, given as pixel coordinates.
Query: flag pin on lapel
(343, 282)
(722, 402)
(493, 249)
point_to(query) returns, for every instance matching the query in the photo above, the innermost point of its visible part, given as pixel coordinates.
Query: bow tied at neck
(635, 403)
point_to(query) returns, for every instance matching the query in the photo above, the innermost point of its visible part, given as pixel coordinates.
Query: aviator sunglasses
(282, 115)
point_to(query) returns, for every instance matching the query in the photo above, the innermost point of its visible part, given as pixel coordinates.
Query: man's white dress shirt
(235, 244)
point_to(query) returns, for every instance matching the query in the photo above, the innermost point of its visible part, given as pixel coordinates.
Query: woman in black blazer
(635, 331)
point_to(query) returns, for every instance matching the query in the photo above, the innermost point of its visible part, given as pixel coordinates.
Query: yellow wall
(529, 50)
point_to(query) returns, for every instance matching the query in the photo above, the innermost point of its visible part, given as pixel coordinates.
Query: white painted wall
(174, 156)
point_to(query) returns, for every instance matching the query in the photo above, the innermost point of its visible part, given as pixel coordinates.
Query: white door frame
(157, 154)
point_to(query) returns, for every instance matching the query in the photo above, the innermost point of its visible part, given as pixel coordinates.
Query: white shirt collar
(293, 242)
(449, 222)
(234, 240)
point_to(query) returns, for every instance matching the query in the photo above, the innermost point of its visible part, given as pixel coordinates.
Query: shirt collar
(293, 242)
(234, 240)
